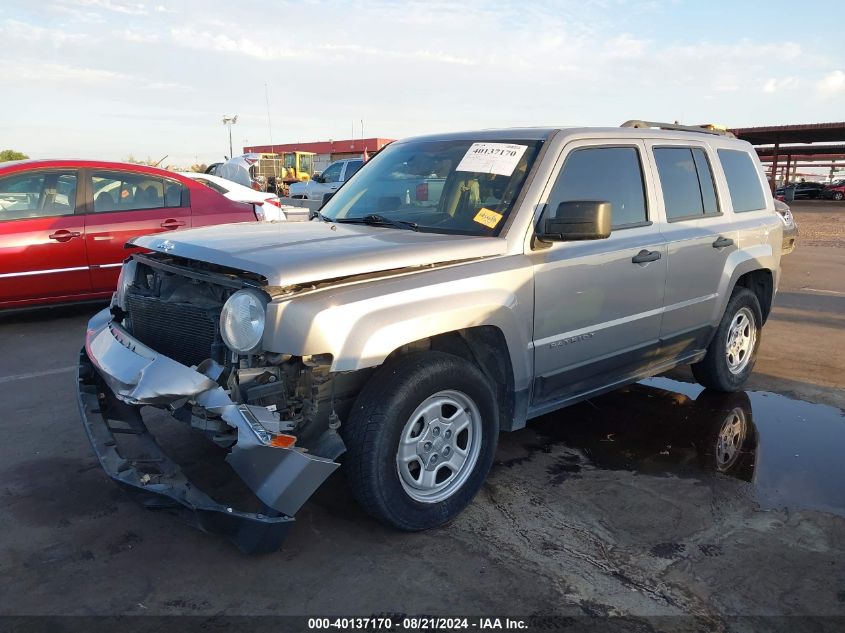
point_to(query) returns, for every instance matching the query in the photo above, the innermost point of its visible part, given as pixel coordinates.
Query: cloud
(33, 70)
(222, 43)
(831, 84)
(776, 85)
(626, 47)
(169, 86)
(78, 14)
(137, 36)
(14, 29)
(58, 73)
(259, 48)
(384, 53)
(128, 8)
(407, 67)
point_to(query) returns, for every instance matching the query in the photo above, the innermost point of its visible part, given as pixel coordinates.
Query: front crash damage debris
(135, 375)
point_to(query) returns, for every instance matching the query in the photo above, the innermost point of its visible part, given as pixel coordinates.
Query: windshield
(452, 186)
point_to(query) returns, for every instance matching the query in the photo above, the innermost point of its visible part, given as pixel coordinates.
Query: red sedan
(63, 224)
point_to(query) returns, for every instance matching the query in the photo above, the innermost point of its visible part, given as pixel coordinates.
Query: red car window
(37, 195)
(126, 191)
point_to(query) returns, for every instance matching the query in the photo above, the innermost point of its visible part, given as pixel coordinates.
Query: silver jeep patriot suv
(457, 286)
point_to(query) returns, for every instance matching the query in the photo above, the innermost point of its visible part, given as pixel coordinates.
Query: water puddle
(788, 451)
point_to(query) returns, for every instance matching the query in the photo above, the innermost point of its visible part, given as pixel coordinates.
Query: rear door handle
(172, 224)
(723, 242)
(644, 256)
(63, 235)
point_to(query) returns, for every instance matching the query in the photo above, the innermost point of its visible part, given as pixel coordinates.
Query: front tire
(733, 351)
(420, 440)
(837, 195)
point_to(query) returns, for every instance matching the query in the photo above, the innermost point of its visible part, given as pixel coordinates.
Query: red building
(326, 151)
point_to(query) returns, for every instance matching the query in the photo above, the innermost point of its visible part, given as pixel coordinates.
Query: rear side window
(743, 180)
(351, 167)
(606, 174)
(687, 182)
(127, 191)
(37, 195)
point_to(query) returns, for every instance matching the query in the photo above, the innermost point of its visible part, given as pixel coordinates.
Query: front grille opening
(184, 332)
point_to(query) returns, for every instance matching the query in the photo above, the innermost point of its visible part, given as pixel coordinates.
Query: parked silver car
(328, 182)
(408, 325)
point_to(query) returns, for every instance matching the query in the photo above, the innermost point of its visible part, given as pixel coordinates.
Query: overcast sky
(110, 78)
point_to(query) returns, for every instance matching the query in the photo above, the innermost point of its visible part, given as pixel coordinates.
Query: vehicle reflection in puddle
(790, 452)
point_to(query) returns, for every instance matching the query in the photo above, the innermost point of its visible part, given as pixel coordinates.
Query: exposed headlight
(242, 321)
(127, 277)
(785, 213)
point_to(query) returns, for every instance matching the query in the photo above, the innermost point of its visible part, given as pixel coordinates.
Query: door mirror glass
(576, 220)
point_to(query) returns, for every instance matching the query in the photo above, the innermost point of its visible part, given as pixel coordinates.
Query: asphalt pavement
(621, 505)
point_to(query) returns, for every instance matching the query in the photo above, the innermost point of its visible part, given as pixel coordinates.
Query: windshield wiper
(374, 219)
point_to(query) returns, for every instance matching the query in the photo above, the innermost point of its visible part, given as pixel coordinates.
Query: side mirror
(576, 220)
(326, 198)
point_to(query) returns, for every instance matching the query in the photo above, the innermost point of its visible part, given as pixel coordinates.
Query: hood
(291, 253)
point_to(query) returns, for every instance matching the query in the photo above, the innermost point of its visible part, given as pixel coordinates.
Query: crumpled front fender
(283, 478)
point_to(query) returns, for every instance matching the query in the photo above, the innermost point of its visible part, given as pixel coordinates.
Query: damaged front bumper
(118, 375)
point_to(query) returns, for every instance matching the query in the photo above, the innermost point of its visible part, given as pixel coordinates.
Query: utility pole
(269, 125)
(230, 121)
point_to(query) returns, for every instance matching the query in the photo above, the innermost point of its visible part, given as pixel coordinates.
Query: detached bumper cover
(118, 374)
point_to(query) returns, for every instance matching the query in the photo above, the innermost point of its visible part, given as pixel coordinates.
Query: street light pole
(230, 121)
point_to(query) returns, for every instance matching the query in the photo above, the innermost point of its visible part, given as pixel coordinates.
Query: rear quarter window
(743, 180)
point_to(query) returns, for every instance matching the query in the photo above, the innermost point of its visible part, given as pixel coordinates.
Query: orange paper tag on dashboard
(488, 217)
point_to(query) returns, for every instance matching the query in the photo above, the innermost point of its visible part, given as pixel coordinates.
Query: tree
(10, 154)
(140, 161)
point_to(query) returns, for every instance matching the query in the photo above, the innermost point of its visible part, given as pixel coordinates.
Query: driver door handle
(172, 224)
(723, 242)
(644, 256)
(63, 235)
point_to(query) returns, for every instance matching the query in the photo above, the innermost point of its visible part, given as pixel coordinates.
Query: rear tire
(733, 351)
(420, 440)
(837, 195)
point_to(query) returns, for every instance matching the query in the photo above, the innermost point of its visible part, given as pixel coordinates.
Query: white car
(265, 203)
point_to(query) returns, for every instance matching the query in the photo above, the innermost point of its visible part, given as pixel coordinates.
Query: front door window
(37, 195)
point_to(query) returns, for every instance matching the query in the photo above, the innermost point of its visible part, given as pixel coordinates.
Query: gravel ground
(820, 222)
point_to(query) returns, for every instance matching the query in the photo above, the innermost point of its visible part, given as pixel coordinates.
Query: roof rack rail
(707, 128)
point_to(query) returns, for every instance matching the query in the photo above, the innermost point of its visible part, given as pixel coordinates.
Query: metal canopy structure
(815, 144)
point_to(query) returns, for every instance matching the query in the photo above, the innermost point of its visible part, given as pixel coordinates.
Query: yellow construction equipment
(298, 166)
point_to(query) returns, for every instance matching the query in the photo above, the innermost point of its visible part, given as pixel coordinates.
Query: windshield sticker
(492, 158)
(488, 217)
